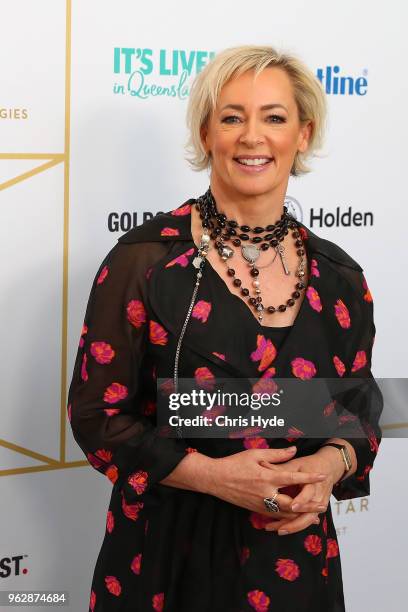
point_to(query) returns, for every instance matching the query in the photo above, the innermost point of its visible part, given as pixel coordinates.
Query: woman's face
(255, 120)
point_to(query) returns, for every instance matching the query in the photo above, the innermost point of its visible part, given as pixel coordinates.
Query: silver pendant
(250, 252)
(226, 252)
(281, 250)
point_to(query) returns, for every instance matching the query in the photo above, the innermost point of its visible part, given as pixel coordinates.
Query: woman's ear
(204, 134)
(305, 135)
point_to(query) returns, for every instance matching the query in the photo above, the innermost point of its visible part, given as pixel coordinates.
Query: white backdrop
(84, 138)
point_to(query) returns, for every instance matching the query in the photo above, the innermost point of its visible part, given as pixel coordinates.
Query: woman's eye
(226, 119)
(280, 119)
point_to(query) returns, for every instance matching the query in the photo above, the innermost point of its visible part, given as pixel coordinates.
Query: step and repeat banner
(93, 98)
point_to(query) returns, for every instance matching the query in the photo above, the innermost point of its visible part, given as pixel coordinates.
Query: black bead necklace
(222, 229)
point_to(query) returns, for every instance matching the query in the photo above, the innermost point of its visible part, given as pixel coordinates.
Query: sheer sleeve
(105, 398)
(360, 406)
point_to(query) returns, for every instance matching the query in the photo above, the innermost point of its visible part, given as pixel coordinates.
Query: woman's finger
(308, 492)
(283, 477)
(298, 524)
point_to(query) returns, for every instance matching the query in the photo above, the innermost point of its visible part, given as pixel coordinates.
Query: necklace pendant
(281, 250)
(226, 252)
(250, 252)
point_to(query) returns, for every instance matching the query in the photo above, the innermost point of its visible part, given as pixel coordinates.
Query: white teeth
(254, 162)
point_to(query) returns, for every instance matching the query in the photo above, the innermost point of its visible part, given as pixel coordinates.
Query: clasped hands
(301, 503)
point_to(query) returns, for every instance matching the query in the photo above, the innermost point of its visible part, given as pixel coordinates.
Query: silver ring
(271, 504)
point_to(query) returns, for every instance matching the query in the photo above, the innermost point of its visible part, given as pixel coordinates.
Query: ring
(271, 504)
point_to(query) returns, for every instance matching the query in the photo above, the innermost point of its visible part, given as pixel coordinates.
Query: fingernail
(295, 507)
(321, 475)
(283, 532)
(321, 507)
(317, 521)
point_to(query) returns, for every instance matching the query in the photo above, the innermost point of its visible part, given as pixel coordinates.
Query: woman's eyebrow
(264, 107)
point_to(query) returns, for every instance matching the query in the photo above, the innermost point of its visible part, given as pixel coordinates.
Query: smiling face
(254, 134)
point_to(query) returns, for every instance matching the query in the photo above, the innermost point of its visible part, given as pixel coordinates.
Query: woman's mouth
(253, 164)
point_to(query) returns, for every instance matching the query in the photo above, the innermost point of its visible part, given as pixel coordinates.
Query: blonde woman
(227, 285)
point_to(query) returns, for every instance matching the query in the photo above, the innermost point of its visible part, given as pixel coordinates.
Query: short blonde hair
(308, 92)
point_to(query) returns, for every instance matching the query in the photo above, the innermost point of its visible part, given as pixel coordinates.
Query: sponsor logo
(294, 208)
(13, 113)
(144, 73)
(125, 221)
(12, 566)
(348, 218)
(337, 84)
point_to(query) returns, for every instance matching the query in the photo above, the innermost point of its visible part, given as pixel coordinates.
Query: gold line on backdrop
(52, 160)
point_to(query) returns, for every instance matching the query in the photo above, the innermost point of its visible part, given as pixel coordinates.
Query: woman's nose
(251, 134)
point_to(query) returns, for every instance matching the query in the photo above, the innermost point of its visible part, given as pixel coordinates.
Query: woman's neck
(252, 210)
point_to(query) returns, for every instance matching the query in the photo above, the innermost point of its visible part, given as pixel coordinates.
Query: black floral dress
(169, 549)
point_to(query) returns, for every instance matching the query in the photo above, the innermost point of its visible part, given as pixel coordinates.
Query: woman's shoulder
(330, 250)
(168, 226)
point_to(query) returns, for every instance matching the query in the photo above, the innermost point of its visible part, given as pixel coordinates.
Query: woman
(227, 285)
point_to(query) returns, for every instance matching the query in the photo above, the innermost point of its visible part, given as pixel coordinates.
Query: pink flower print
(295, 433)
(325, 524)
(332, 548)
(328, 409)
(244, 556)
(84, 373)
(83, 332)
(360, 360)
(167, 387)
(69, 412)
(303, 233)
(347, 418)
(104, 454)
(265, 352)
(113, 585)
(158, 602)
(374, 446)
(220, 355)
(131, 511)
(287, 569)
(102, 275)
(314, 270)
(111, 411)
(136, 313)
(258, 521)
(136, 564)
(112, 473)
(215, 411)
(169, 231)
(184, 209)
(149, 408)
(367, 295)
(246, 432)
(92, 601)
(302, 368)
(201, 310)
(366, 471)
(182, 260)
(314, 299)
(313, 544)
(204, 378)
(342, 314)
(138, 481)
(258, 600)
(114, 393)
(157, 333)
(255, 443)
(102, 352)
(339, 365)
(94, 461)
(265, 384)
(110, 521)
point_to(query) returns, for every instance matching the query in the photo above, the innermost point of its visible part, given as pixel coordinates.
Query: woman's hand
(312, 496)
(240, 479)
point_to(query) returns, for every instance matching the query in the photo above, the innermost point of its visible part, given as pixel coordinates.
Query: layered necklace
(251, 241)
